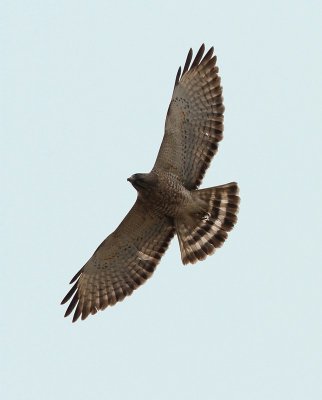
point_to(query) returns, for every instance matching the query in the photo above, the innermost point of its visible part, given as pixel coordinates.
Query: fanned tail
(200, 235)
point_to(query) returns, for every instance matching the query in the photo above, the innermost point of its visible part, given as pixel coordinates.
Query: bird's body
(169, 200)
(164, 194)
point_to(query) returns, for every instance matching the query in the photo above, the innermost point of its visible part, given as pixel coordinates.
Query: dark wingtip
(72, 304)
(209, 54)
(177, 77)
(69, 294)
(188, 61)
(77, 313)
(76, 276)
(198, 57)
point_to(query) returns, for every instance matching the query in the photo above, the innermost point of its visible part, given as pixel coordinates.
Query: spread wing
(123, 262)
(194, 123)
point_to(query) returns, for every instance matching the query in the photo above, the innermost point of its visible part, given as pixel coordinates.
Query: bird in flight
(168, 199)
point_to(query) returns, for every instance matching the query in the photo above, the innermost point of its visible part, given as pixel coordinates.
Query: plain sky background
(85, 86)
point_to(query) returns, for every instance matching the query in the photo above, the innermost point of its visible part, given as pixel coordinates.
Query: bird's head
(143, 182)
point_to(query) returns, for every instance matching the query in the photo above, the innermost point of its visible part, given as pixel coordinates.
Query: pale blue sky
(85, 86)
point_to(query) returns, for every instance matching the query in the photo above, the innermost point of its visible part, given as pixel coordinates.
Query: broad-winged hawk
(168, 199)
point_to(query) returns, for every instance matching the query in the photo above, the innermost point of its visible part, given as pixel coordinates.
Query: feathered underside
(122, 263)
(194, 123)
(129, 256)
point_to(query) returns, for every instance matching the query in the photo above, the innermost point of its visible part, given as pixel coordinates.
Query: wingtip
(209, 54)
(197, 60)
(177, 77)
(65, 299)
(66, 314)
(188, 61)
(76, 276)
(201, 49)
(198, 57)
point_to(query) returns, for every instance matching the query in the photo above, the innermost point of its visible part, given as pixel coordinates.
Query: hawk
(168, 199)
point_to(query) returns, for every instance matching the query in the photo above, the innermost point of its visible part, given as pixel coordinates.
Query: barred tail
(201, 236)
